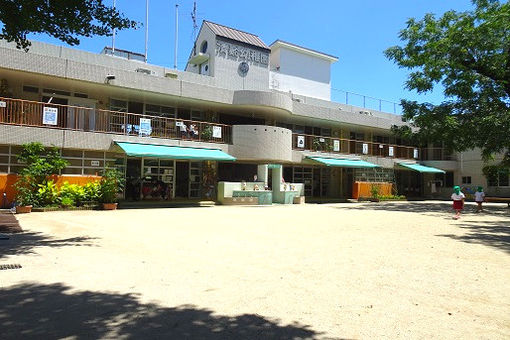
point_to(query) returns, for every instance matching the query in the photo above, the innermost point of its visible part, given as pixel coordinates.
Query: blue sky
(355, 31)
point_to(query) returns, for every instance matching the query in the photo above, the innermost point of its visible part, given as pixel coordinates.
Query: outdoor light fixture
(109, 77)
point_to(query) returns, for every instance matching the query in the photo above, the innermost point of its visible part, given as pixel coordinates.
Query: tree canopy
(65, 20)
(468, 53)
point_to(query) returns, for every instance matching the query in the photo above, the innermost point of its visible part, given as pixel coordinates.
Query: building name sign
(237, 52)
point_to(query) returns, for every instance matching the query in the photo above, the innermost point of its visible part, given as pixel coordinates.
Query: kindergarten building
(239, 109)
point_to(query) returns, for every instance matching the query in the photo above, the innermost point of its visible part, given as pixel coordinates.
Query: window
(203, 47)
(500, 179)
(60, 92)
(466, 180)
(118, 105)
(32, 89)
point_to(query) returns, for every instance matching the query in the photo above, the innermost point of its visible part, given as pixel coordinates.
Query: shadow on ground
(53, 311)
(437, 208)
(488, 233)
(24, 243)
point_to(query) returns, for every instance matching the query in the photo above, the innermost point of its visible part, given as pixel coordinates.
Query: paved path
(363, 271)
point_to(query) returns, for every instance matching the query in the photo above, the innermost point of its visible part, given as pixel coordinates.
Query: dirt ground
(355, 271)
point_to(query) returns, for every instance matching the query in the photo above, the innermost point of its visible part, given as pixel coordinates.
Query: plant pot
(109, 206)
(23, 209)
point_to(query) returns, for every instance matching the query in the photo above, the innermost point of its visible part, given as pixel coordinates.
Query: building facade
(254, 104)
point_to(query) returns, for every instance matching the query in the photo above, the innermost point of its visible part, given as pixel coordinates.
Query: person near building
(458, 201)
(184, 130)
(193, 132)
(479, 199)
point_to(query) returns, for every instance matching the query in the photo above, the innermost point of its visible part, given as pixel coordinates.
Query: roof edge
(316, 53)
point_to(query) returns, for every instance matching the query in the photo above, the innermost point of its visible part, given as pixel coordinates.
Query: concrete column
(262, 173)
(277, 176)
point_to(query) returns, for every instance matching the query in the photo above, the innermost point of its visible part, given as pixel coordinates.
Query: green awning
(344, 163)
(421, 168)
(173, 152)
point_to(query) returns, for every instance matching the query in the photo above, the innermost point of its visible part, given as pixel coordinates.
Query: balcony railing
(30, 113)
(349, 146)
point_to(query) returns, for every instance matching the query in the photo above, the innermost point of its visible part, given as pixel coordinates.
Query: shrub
(72, 192)
(111, 183)
(91, 192)
(66, 201)
(207, 133)
(33, 186)
(47, 194)
(375, 191)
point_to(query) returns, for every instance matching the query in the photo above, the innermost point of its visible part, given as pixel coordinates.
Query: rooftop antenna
(194, 19)
(176, 33)
(146, 27)
(113, 34)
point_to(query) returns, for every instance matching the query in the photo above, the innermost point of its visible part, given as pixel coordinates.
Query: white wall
(300, 73)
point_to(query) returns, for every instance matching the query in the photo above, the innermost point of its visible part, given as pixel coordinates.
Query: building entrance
(182, 179)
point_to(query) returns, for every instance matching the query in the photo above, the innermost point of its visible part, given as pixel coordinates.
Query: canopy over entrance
(343, 163)
(421, 168)
(173, 152)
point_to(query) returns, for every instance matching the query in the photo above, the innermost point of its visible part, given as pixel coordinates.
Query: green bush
(47, 195)
(91, 192)
(67, 201)
(73, 192)
(375, 191)
(33, 186)
(111, 183)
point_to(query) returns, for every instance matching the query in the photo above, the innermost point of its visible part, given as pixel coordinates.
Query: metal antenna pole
(176, 34)
(146, 27)
(113, 35)
(194, 19)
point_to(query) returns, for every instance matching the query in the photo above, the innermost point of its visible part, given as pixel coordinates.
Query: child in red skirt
(458, 201)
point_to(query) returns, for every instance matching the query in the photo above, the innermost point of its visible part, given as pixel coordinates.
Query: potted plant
(207, 133)
(24, 195)
(109, 186)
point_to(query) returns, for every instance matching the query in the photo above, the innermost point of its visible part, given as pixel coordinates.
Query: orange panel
(363, 189)
(7, 183)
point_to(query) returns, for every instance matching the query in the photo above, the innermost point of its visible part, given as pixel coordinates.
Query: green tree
(468, 53)
(34, 185)
(62, 19)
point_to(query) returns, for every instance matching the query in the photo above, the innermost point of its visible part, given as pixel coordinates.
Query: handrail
(352, 146)
(69, 117)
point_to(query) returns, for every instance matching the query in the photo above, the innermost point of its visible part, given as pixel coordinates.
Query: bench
(498, 200)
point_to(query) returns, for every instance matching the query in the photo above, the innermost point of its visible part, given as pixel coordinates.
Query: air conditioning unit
(145, 71)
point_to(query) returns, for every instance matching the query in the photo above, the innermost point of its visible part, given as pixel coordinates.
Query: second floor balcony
(367, 148)
(56, 116)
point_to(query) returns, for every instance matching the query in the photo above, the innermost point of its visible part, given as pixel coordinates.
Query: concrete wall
(261, 143)
(17, 135)
(226, 68)
(289, 74)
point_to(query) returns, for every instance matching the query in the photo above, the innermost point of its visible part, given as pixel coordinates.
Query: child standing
(479, 198)
(458, 201)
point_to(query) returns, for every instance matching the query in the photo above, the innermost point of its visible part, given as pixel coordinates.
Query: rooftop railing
(56, 116)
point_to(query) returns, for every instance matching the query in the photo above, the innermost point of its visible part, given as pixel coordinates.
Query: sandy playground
(334, 271)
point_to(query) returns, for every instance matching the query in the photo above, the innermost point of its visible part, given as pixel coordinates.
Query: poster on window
(301, 142)
(365, 148)
(50, 115)
(216, 131)
(336, 145)
(391, 153)
(145, 127)
(415, 153)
